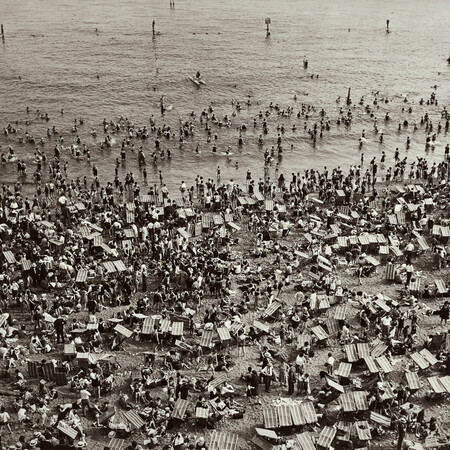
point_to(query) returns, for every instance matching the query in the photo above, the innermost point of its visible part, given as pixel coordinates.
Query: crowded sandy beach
(208, 259)
(288, 310)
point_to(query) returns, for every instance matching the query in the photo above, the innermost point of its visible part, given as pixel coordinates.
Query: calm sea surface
(52, 46)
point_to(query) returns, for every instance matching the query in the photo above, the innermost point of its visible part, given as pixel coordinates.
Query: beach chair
(440, 385)
(384, 364)
(60, 376)
(135, 421)
(332, 325)
(272, 309)
(206, 338)
(67, 430)
(336, 386)
(201, 416)
(284, 416)
(383, 252)
(320, 334)
(413, 381)
(344, 431)
(33, 369)
(390, 272)
(177, 328)
(379, 419)
(363, 350)
(48, 370)
(371, 364)
(415, 286)
(270, 418)
(326, 437)
(224, 335)
(420, 361)
(116, 444)
(441, 287)
(343, 371)
(341, 312)
(261, 443)
(397, 253)
(297, 415)
(351, 352)
(363, 430)
(305, 441)
(223, 440)
(179, 410)
(309, 413)
(378, 349)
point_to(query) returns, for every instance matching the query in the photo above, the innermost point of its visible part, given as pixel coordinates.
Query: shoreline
(280, 256)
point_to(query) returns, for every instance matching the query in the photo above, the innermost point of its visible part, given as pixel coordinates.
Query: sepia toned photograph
(224, 225)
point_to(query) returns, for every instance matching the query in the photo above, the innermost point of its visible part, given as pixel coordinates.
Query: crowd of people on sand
(58, 287)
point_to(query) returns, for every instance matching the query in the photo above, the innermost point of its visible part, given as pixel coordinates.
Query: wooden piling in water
(267, 21)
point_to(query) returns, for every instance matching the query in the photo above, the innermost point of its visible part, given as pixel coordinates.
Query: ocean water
(54, 49)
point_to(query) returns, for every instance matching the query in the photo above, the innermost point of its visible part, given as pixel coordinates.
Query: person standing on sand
(409, 273)
(386, 326)
(85, 403)
(444, 313)
(409, 249)
(4, 419)
(402, 423)
(291, 380)
(241, 343)
(299, 362)
(255, 383)
(59, 328)
(330, 363)
(267, 372)
(211, 360)
(284, 367)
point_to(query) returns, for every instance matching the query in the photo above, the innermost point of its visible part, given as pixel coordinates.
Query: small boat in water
(196, 81)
